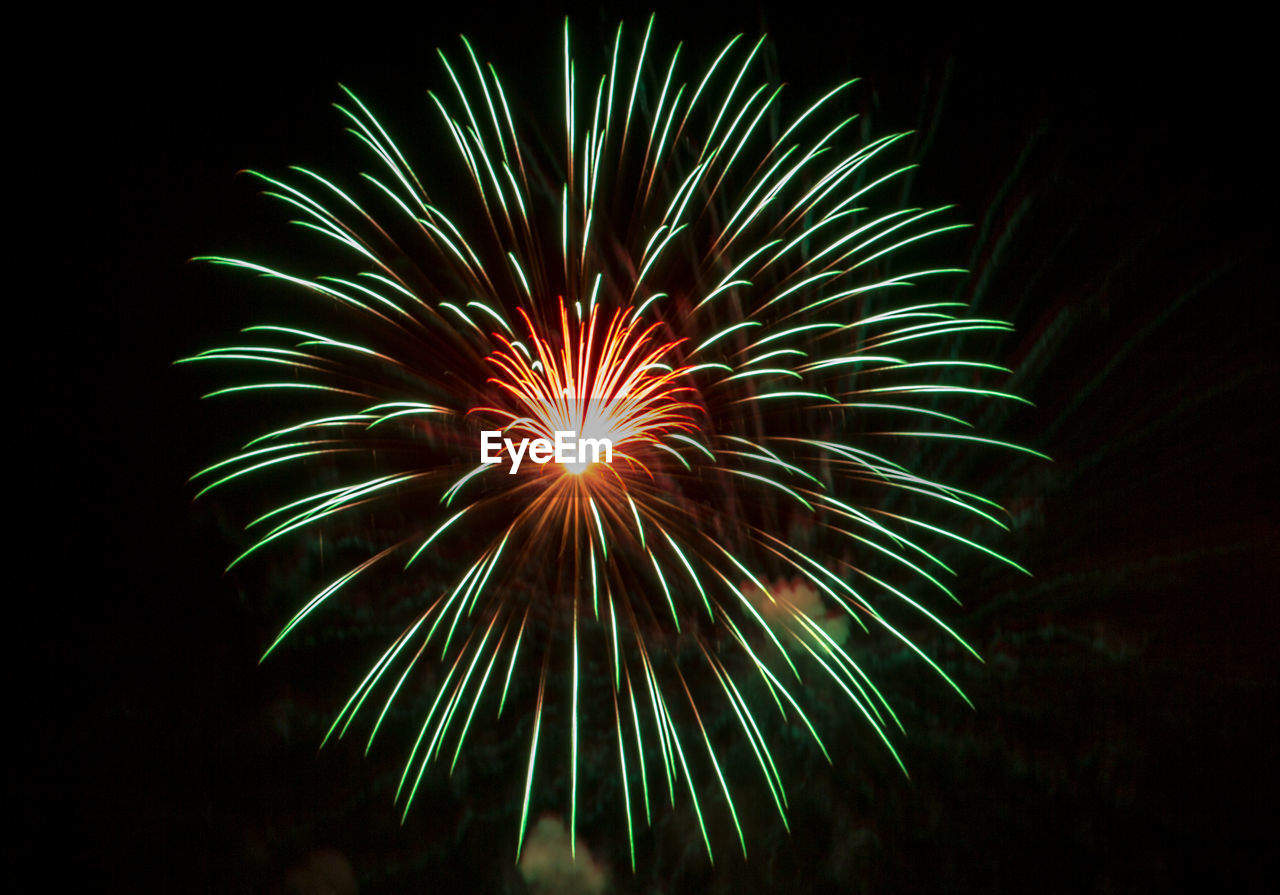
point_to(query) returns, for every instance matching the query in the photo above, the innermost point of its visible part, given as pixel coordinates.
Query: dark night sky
(1126, 738)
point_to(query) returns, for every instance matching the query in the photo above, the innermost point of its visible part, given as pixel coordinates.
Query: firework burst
(709, 293)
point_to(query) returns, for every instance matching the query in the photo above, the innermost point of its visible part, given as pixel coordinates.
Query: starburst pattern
(711, 291)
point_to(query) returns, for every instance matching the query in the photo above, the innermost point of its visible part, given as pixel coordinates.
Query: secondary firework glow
(702, 283)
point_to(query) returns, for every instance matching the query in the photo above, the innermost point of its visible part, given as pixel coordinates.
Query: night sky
(1125, 731)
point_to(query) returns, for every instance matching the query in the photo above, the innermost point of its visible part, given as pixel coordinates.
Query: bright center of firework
(600, 386)
(593, 431)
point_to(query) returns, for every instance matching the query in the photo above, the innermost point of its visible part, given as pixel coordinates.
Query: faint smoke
(548, 864)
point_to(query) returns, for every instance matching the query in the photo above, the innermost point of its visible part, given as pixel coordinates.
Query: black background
(1125, 740)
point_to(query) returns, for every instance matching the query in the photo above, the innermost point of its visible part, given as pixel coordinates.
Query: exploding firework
(707, 294)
